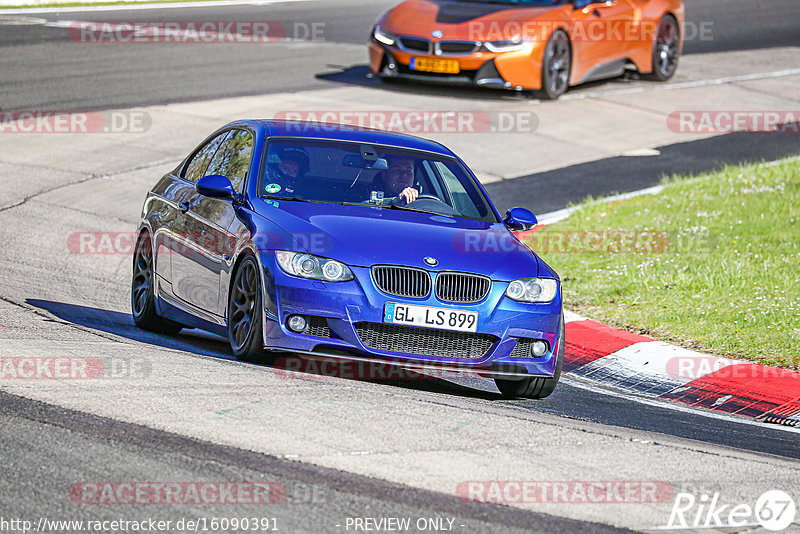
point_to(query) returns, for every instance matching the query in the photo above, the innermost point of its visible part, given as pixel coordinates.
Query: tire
(556, 66)
(666, 49)
(245, 327)
(535, 387)
(143, 301)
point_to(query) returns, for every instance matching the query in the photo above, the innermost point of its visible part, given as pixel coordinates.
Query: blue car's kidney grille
(402, 281)
(424, 341)
(462, 287)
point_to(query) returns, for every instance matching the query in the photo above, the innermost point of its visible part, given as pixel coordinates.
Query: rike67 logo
(774, 511)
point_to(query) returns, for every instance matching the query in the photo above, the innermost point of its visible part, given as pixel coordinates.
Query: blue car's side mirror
(520, 219)
(215, 186)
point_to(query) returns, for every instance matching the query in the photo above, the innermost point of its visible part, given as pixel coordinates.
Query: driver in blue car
(396, 181)
(288, 171)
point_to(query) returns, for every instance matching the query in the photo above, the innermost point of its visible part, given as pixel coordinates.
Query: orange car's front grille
(420, 45)
(415, 44)
(457, 47)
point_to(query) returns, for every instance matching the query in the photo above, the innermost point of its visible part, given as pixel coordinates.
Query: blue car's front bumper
(344, 305)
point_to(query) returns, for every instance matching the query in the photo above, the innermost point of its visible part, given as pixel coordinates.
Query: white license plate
(426, 316)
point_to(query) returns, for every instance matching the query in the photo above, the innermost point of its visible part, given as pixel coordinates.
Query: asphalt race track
(341, 448)
(86, 76)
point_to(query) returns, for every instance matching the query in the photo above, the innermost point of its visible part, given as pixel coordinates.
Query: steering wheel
(429, 197)
(402, 200)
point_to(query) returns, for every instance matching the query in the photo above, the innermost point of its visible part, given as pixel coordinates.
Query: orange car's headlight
(382, 36)
(507, 45)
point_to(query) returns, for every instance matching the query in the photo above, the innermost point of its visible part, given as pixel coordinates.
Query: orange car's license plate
(445, 66)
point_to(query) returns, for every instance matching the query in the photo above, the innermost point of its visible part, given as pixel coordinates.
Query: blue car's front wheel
(244, 312)
(535, 387)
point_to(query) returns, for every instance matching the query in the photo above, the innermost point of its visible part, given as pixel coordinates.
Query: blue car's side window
(196, 168)
(232, 160)
(456, 191)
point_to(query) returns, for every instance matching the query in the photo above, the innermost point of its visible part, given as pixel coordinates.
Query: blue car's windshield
(337, 172)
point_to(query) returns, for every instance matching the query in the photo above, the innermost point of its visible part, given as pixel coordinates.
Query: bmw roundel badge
(433, 262)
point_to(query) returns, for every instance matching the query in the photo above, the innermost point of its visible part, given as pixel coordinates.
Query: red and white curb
(653, 368)
(642, 365)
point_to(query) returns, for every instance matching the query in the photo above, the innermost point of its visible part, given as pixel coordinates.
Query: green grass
(715, 265)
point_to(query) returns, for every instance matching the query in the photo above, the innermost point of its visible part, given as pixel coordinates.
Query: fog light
(297, 323)
(539, 348)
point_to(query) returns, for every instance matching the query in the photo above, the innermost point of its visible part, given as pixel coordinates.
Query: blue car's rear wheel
(245, 328)
(535, 387)
(143, 305)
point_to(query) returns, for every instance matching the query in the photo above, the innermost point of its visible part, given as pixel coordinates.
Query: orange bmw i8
(542, 45)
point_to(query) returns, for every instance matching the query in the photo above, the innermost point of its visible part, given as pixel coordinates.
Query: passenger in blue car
(396, 182)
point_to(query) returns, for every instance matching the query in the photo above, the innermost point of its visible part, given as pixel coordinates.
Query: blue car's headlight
(532, 289)
(314, 267)
(383, 36)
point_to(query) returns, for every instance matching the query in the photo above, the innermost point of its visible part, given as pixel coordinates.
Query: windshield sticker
(273, 188)
(376, 197)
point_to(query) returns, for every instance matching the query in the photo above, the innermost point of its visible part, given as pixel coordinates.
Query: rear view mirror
(358, 162)
(519, 219)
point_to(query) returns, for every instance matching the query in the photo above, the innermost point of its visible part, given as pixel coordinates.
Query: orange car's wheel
(666, 49)
(556, 66)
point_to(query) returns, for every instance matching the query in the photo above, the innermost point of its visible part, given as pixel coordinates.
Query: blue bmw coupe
(347, 243)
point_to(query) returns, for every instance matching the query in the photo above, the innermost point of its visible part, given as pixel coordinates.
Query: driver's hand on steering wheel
(409, 194)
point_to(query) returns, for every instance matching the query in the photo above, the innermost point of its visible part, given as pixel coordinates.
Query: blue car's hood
(365, 236)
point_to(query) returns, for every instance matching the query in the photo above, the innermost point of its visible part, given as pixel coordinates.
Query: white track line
(559, 215)
(556, 216)
(144, 6)
(683, 85)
